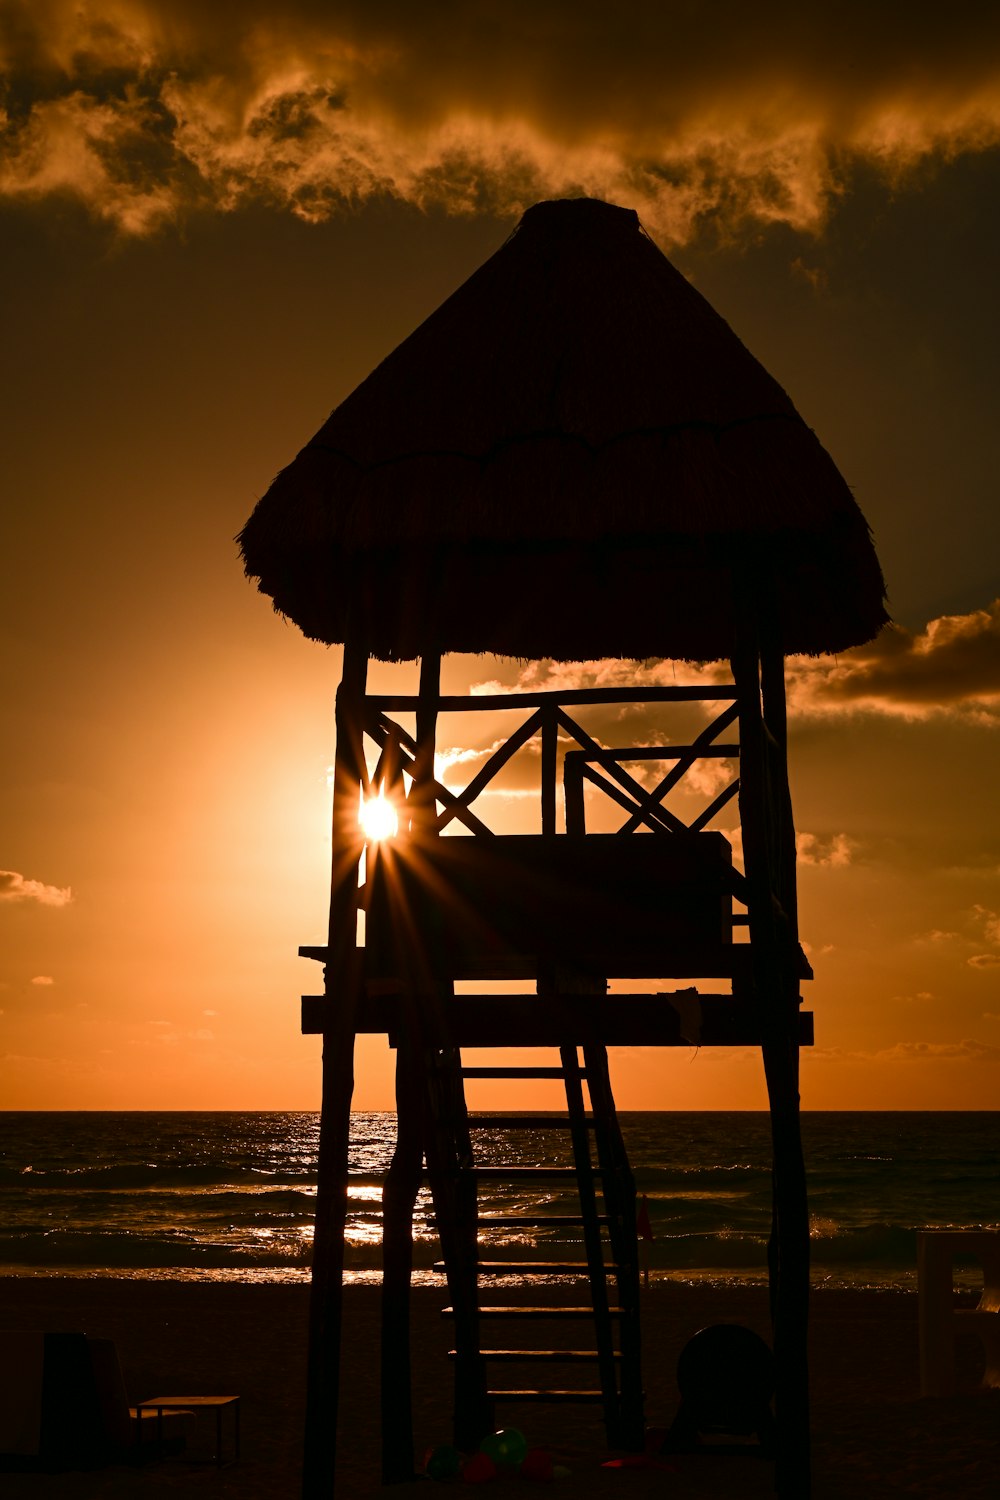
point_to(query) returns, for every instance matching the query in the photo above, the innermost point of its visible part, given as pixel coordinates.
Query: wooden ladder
(607, 1219)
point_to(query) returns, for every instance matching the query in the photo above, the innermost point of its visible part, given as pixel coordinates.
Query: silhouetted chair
(725, 1374)
(63, 1405)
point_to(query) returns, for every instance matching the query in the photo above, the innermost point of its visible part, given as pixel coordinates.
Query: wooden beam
(704, 818)
(703, 746)
(381, 727)
(657, 818)
(763, 804)
(343, 983)
(426, 741)
(662, 752)
(404, 1176)
(720, 961)
(486, 773)
(550, 748)
(399, 1195)
(681, 1019)
(482, 703)
(627, 782)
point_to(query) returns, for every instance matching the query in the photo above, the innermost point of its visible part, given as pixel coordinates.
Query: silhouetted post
(769, 856)
(422, 802)
(402, 1183)
(399, 1195)
(343, 983)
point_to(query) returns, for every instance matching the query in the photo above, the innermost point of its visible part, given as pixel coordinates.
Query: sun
(378, 817)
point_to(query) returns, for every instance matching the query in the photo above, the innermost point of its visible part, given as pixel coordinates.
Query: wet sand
(873, 1435)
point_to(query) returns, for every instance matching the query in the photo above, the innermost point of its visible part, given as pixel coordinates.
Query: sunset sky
(216, 219)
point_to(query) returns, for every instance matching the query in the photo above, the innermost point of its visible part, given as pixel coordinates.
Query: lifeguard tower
(573, 458)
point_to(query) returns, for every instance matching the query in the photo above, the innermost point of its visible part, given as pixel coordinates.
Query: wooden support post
(550, 746)
(449, 1164)
(620, 1207)
(769, 852)
(445, 1126)
(402, 1182)
(399, 1195)
(781, 1066)
(342, 995)
(775, 717)
(423, 807)
(576, 813)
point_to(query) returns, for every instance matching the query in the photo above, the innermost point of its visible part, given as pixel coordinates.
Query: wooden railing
(547, 718)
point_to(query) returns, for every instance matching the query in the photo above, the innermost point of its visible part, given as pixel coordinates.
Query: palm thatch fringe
(567, 459)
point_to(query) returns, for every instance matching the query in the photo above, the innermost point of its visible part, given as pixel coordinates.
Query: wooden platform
(683, 1018)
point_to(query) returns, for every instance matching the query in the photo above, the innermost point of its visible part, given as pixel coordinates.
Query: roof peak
(578, 216)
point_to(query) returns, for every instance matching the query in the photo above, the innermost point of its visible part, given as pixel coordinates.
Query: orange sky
(212, 230)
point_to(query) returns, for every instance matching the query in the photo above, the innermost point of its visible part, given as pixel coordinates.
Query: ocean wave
(233, 1196)
(136, 1176)
(117, 1250)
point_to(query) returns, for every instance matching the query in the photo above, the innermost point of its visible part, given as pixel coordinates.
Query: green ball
(507, 1447)
(443, 1463)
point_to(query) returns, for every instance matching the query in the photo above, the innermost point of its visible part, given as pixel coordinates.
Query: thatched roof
(567, 459)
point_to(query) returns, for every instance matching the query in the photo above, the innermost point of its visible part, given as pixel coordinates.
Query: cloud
(43, 979)
(147, 109)
(989, 924)
(566, 676)
(989, 921)
(968, 1050)
(15, 887)
(951, 667)
(832, 849)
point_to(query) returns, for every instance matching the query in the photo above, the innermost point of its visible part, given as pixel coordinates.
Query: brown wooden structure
(573, 457)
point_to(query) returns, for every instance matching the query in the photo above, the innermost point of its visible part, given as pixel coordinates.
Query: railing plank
(486, 773)
(696, 750)
(658, 818)
(726, 795)
(480, 703)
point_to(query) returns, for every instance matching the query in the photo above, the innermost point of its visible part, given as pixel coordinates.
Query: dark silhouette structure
(573, 457)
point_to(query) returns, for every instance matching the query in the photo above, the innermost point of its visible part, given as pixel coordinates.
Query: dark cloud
(952, 666)
(687, 111)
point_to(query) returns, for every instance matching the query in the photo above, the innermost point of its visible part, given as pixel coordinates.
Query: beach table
(160, 1404)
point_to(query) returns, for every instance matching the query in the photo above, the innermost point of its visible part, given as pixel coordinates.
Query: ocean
(229, 1197)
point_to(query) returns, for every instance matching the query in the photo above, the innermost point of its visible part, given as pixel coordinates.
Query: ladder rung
(525, 1122)
(519, 1072)
(551, 1398)
(529, 1267)
(534, 1312)
(539, 1356)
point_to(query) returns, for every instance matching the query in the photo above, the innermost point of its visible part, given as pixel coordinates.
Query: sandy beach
(873, 1435)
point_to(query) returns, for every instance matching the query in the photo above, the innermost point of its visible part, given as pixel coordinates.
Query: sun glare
(379, 819)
